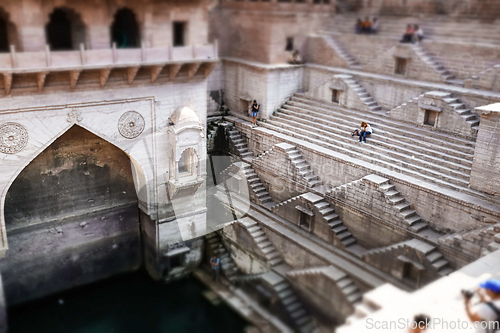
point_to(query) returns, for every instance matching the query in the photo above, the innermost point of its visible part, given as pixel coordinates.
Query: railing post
(114, 52)
(13, 57)
(47, 54)
(143, 51)
(216, 49)
(82, 54)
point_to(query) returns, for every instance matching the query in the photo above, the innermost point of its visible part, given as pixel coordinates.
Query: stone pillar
(98, 37)
(485, 174)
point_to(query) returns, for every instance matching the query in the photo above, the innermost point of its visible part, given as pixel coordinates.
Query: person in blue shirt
(215, 263)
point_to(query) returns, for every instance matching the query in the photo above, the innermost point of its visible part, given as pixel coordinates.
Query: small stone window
(430, 117)
(305, 221)
(179, 32)
(400, 66)
(289, 44)
(336, 96)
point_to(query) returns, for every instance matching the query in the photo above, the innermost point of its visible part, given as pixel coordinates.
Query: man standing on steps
(255, 111)
(215, 263)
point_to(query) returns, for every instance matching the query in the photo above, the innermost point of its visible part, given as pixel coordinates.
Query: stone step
(428, 175)
(350, 289)
(272, 255)
(281, 286)
(298, 313)
(384, 151)
(348, 241)
(344, 235)
(264, 244)
(440, 264)
(408, 213)
(434, 256)
(275, 261)
(335, 223)
(355, 297)
(406, 152)
(327, 211)
(294, 306)
(258, 234)
(331, 217)
(289, 300)
(417, 227)
(285, 293)
(339, 229)
(392, 125)
(265, 199)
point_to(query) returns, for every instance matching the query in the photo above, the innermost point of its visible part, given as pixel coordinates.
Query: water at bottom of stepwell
(130, 302)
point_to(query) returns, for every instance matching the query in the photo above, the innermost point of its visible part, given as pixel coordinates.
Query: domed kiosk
(186, 152)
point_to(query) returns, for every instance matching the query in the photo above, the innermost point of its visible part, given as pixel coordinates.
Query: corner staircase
(340, 231)
(342, 52)
(466, 114)
(402, 207)
(270, 253)
(303, 167)
(361, 92)
(239, 143)
(434, 64)
(346, 285)
(215, 246)
(256, 186)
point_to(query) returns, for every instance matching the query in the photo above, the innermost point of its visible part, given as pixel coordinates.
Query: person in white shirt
(365, 130)
(419, 33)
(488, 310)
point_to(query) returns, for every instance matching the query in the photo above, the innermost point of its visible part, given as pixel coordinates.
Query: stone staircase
(272, 256)
(350, 291)
(303, 167)
(428, 251)
(342, 52)
(256, 186)
(465, 113)
(432, 254)
(402, 207)
(295, 310)
(434, 64)
(215, 246)
(361, 92)
(342, 236)
(424, 154)
(237, 143)
(477, 242)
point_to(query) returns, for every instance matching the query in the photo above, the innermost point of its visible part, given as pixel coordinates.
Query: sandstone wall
(271, 86)
(390, 94)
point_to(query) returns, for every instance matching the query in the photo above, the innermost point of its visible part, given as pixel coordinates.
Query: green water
(127, 303)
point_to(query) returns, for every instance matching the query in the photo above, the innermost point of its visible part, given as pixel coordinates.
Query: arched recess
(77, 174)
(188, 163)
(142, 180)
(8, 32)
(125, 30)
(65, 30)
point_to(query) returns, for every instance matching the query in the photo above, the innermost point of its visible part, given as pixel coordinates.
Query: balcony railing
(195, 58)
(29, 61)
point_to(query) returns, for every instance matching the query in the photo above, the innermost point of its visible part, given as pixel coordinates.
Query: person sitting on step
(408, 36)
(365, 130)
(358, 28)
(419, 33)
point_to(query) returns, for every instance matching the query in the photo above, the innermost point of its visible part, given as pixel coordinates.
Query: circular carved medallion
(131, 124)
(13, 138)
